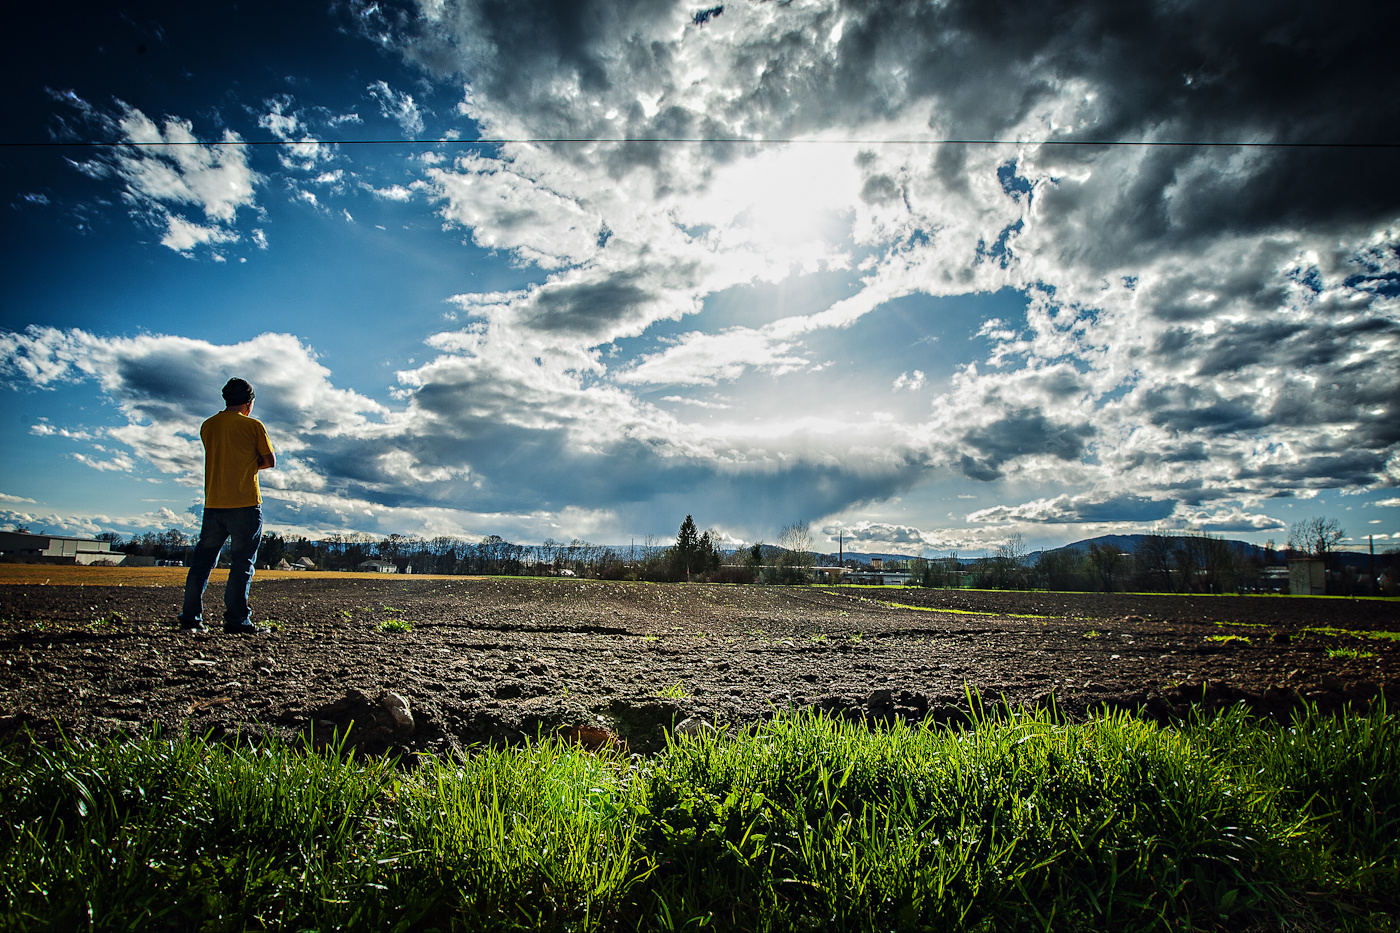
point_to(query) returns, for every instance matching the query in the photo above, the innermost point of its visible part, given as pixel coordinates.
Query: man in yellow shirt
(236, 447)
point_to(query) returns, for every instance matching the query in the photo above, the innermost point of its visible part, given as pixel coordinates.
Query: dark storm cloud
(173, 386)
(1187, 408)
(591, 308)
(1290, 343)
(1262, 376)
(1124, 509)
(1356, 468)
(1022, 433)
(1171, 452)
(1061, 383)
(1265, 71)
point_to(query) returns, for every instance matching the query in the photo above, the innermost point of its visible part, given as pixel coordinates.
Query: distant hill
(1124, 543)
(1128, 543)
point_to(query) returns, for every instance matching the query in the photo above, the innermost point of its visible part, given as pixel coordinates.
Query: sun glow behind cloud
(791, 203)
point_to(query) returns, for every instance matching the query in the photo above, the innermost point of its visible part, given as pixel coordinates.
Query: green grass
(1021, 821)
(961, 612)
(1354, 653)
(1354, 633)
(395, 625)
(675, 691)
(1226, 639)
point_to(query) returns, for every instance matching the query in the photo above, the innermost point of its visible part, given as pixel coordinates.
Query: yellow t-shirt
(232, 444)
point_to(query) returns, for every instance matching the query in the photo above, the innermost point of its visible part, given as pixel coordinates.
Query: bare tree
(1007, 568)
(1153, 558)
(796, 562)
(1107, 562)
(1318, 536)
(549, 554)
(1061, 569)
(1222, 564)
(1189, 560)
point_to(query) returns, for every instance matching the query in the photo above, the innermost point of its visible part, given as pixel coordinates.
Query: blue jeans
(244, 526)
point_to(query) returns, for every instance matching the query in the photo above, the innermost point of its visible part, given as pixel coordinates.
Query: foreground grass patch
(1022, 821)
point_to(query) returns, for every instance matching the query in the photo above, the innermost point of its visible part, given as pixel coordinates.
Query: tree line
(1159, 562)
(694, 555)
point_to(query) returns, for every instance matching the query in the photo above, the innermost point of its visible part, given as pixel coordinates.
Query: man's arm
(267, 461)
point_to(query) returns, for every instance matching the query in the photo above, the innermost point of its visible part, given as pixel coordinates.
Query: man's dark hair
(237, 392)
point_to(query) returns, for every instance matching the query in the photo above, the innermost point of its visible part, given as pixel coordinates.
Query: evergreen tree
(708, 556)
(685, 555)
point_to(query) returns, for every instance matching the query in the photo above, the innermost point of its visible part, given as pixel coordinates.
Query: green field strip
(961, 612)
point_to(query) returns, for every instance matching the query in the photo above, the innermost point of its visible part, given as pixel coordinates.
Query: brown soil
(505, 659)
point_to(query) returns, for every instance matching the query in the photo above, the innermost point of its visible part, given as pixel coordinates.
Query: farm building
(18, 547)
(377, 566)
(1307, 576)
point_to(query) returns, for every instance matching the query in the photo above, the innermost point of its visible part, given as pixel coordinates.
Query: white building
(1307, 576)
(18, 547)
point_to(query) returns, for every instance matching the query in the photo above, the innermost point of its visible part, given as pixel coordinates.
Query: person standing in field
(236, 447)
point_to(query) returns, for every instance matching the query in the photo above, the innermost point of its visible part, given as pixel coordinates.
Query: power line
(709, 140)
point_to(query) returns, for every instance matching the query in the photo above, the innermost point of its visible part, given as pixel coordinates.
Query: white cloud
(167, 168)
(183, 236)
(398, 106)
(705, 359)
(119, 463)
(302, 152)
(393, 193)
(883, 534)
(911, 382)
(44, 429)
(696, 402)
(508, 210)
(5, 497)
(53, 523)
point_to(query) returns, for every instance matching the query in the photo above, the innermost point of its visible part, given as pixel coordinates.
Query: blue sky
(795, 306)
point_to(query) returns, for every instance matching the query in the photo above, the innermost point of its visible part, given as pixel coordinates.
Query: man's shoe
(243, 628)
(193, 628)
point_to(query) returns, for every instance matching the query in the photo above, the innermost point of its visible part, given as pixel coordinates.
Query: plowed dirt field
(92, 652)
